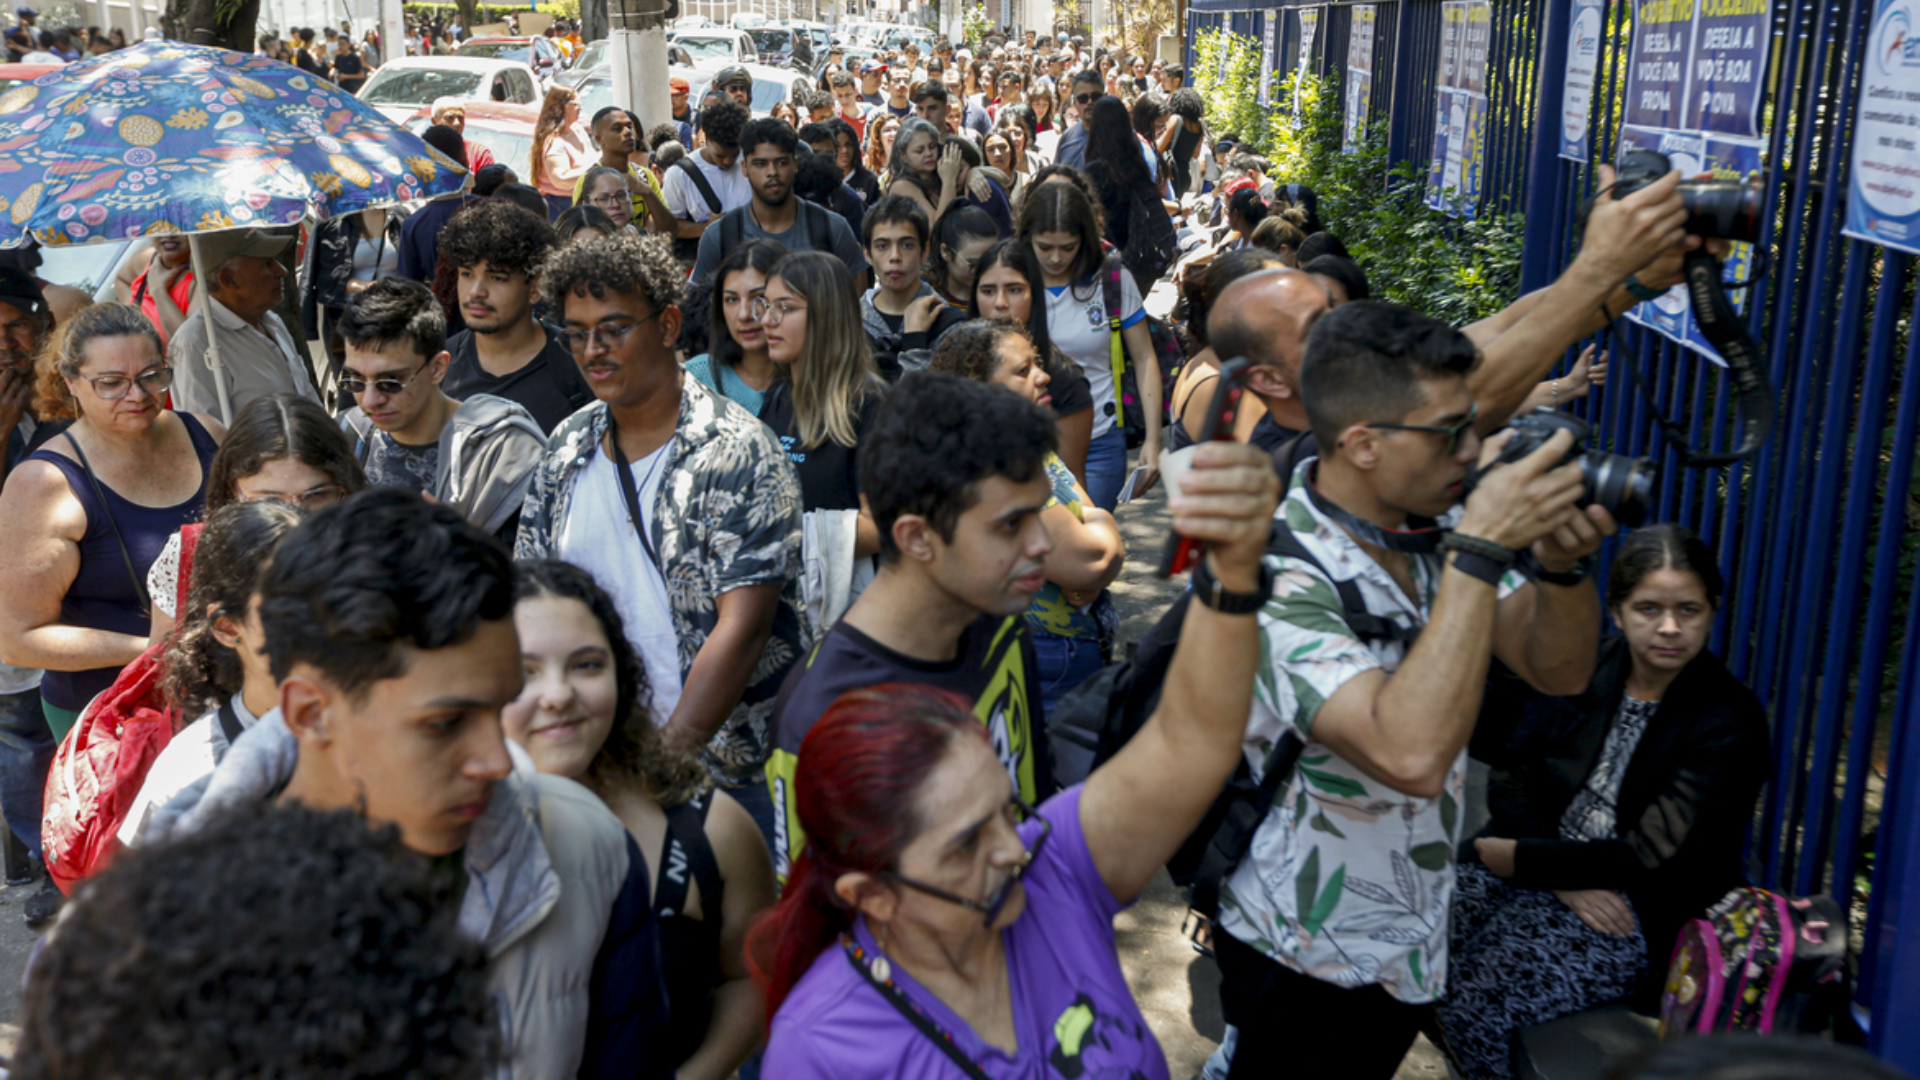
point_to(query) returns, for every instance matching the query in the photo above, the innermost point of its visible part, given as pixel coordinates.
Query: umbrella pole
(204, 287)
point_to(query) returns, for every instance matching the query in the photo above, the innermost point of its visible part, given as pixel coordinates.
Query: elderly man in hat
(256, 354)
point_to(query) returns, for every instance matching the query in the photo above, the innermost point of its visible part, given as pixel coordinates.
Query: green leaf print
(1300, 519)
(1300, 806)
(1432, 856)
(1419, 977)
(1329, 899)
(1333, 783)
(1307, 885)
(1316, 759)
(1315, 609)
(1321, 823)
(1449, 811)
(1307, 702)
(1306, 650)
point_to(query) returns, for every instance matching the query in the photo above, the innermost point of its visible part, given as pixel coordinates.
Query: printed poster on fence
(1359, 75)
(1583, 60)
(1883, 205)
(1309, 25)
(1460, 107)
(1694, 78)
(1267, 50)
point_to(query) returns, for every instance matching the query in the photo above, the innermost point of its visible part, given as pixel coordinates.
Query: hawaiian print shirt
(1347, 880)
(727, 516)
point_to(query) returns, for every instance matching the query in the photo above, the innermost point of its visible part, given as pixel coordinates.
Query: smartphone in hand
(1229, 389)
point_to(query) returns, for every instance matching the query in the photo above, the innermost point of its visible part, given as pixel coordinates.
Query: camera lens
(1723, 208)
(1623, 485)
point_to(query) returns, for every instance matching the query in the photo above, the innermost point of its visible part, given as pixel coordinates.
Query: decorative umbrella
(166, 137)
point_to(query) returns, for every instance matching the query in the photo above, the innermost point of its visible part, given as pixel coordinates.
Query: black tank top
(689, 947)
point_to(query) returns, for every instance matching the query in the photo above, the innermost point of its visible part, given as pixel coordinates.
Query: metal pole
(638, 47)
(1543, 170)
(203, 290)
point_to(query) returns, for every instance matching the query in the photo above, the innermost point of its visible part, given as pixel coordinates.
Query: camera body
(1716, 209)
(1623, 485)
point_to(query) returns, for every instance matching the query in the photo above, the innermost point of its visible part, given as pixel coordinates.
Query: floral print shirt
(727, 516)
(1347, 880)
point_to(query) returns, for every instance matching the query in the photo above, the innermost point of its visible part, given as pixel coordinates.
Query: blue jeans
(758, 801)
(26, 751)
(1107, 468)
(1064, 663)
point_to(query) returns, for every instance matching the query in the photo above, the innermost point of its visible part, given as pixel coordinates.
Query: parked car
(782, 46)
(404, 84)
(744, 19)
(592, 55)
(538, 53)
(714, 49)
(505, 128)
(693, 22)
(770, 87)
(13, 74)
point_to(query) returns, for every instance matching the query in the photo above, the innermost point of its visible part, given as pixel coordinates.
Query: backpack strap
(229, 720)
(1234, 834)
(819, 226)
(688, 859)
(1288, 456)
(1116, 346)
(688, 166)
(1365, 624)
(733, 228)
(189, 541)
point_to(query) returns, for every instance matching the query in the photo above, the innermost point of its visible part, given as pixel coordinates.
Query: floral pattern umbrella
(166, 137)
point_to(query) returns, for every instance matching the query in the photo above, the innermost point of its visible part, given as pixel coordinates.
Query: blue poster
(1730, 39)
(1359, 75)
(1583, 60)
(1657, 63)
(1460, 108)
(1883, 197)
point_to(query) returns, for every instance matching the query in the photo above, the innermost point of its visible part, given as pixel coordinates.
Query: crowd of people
(620, 632)
(28, 42)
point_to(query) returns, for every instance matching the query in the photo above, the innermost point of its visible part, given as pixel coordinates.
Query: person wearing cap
(257, 356)
(452, 112)
(872, 73)
(736, 83)
(686, 118)
(26, 15)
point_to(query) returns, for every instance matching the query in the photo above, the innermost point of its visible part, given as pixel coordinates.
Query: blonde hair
(834, 373)
(65, 350)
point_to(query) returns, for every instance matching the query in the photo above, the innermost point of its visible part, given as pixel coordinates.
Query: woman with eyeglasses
(281, 448)
(605, 190)
(822, 409)
(738, 366)
(84, 517)
(932, 925)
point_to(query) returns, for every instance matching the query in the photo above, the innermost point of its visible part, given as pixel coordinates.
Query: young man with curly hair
(681, 504)
(955, 474)
(337, 925)
(495, 248)
(388, 624)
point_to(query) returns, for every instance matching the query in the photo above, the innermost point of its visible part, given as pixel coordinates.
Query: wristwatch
(1641, 292)
(1208, 590)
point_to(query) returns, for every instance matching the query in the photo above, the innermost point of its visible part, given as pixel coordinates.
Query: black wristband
(1641, 292)
(1486, 549)
(1208, 590)
(1576, 576)
(1474, 564)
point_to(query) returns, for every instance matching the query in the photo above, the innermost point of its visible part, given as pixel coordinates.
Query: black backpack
(1095, 720)
(1152, 244)
(687, 249)
(733, 226)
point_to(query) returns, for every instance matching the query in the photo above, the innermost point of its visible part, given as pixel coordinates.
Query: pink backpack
(1756, 962)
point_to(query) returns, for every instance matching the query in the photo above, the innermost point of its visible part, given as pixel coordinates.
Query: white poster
(1267, 49)
(1583, 59)
(1359, 76)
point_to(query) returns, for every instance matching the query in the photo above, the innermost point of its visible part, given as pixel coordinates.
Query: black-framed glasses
(154, 381)
(990, 907)
(389, 385)
(609, 334)
(1453, 432)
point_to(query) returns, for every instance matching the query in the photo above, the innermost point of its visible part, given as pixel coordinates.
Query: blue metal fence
(1817, 535)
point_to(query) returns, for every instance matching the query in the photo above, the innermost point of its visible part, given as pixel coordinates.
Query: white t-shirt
(189, 756)
(599, 539)
(1077, 322)
(373, 259)
(683, 197)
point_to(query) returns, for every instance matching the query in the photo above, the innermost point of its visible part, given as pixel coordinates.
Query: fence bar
(1538, 259)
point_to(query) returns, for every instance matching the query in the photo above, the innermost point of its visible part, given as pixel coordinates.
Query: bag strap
(1242, 819)
(189, 542)
(912, 1012)
(1365, 624)
(1116, 345)
(733, 228)
(819, 226)
(687, 833)
(230, 725)
(126, 556)
(629, 493)
(692, 169)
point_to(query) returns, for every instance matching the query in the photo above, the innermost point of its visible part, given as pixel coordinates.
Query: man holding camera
(1332, 935)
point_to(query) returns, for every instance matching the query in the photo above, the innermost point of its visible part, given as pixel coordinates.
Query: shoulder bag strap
(692, 169)
(1111, 295)
(1366, 624)
(819, 226)
(629, 492)
(913, 1014)
(230, 722)
(126, 556)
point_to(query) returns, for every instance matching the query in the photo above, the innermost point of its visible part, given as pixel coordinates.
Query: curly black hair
(498, 232)
(971, 350)
(360, 583)
(661, 134)
(279, 941)
(936, 438)
(641, 264)
(722, 122)
(199, 673)
(1187, 104)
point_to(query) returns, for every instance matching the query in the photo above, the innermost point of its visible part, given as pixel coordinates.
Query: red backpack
(100, 765)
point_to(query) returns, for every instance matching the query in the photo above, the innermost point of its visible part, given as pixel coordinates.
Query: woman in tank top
(83, 518)
(585, 715)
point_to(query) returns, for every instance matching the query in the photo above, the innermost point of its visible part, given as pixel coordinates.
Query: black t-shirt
(1068, 386)
(829, 473)
(550, 385)
(1182, 154)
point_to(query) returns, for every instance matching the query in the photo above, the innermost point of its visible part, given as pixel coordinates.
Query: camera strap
(1421, 538)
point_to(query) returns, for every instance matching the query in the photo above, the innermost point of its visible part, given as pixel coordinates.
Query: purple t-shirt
(1073, 1014)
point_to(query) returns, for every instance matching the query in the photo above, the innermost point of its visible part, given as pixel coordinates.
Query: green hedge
(1459, 271)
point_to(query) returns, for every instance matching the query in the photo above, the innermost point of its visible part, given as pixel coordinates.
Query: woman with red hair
(936, 926)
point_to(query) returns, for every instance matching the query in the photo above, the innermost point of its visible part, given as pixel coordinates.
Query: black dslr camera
(1623, 485)
(1716, 209)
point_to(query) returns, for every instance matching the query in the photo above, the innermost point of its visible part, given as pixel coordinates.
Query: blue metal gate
(1817, 535)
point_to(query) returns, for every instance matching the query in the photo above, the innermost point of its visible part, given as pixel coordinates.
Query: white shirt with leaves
(1347, 880)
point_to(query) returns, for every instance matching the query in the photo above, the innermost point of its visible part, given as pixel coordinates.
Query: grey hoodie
(488, 452)
(897, 354)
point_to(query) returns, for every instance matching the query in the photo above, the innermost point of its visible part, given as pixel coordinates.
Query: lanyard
(1422, 538)
(631, 494)
(914, 1014)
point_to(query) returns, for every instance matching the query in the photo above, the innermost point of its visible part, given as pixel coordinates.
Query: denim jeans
(1107, 468)
(758, 801)
(1064, 662)
(26, 750)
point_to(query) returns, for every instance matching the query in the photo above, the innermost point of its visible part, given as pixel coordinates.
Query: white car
(770, 86)
(716, 48)
(403, 84)
(742, 20)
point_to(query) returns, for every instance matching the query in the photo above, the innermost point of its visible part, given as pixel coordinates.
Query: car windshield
(767, 93)
(595, 94)
(772, 40)
(499, 50)
(82, 266)
(419, 86)
(707, 48)
(591, 56)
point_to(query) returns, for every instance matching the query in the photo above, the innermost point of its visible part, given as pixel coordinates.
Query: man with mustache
(769, 155)
(955, 475)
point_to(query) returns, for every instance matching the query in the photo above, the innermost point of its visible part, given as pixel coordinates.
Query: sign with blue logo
(1359, 86)
(1883, 200)
(1583, 60)
(1460, 107)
